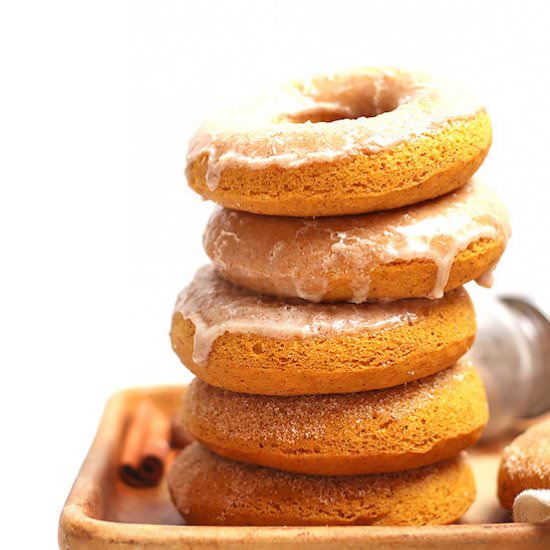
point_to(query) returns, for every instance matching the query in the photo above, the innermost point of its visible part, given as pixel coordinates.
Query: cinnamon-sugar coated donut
(210, 490)
(388, 430)
(348, 143)
(417, 251)
(525, 464)
(240, 341)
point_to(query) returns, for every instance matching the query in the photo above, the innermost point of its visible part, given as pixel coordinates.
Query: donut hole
(345, 99)
(334, 112)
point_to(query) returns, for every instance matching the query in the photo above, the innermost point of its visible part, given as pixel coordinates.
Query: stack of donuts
(327, 334)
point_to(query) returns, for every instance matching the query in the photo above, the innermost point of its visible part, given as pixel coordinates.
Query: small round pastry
(388, 430)
(348, 143)
(211, 490)
(240, 341)
(525, 464)
(419, 251)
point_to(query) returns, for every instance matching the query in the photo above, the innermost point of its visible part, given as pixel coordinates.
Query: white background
(99, 231)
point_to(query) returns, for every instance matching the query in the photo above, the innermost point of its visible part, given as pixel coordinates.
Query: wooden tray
(101, 512)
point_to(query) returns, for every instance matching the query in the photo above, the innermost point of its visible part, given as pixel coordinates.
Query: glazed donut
(237, 340)
(210, 490)
(418, 251)
(388, 430)
(349, 143)
(525, 464)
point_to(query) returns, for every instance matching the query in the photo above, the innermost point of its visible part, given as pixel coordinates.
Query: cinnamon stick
(146, 446)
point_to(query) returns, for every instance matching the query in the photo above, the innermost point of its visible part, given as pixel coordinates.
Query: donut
(211, 490)
(240, 341)
(348, 143)
(525, 464)
(418, 251)
(388, 430)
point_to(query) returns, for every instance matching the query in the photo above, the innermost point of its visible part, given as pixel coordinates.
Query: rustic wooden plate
(101, 512)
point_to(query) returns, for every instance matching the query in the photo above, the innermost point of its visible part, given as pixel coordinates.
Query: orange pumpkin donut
(348, 143)
(240, 341)
(210, 490)
(417, 251)
(525, 464)
(388, 430)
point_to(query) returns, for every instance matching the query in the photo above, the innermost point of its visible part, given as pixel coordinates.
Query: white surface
(93, 259)
(532, 506)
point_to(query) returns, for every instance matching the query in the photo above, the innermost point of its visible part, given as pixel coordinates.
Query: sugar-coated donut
(388, 430)
(240, 341)
(210, 490)
(348, 143)
(525, 464)
(418, 251)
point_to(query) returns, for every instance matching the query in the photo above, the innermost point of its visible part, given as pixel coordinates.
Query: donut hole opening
(348, 103)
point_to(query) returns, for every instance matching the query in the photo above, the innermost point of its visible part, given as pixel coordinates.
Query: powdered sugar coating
(529, 454)
(210, 490)
(390, 420)
(525, 463)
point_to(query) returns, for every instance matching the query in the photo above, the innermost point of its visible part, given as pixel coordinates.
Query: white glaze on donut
(328, 118)
(301, 255)
(216, 306)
